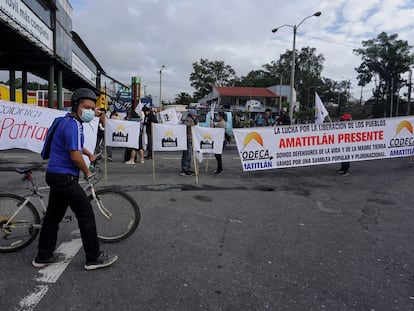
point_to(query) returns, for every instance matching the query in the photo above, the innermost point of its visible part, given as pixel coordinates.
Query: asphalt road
(290, 239)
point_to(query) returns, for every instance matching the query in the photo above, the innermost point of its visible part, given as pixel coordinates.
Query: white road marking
(50, 275)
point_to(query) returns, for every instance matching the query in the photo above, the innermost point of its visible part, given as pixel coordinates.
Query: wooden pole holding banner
(152, 152)
(207, 162)
(195, 160)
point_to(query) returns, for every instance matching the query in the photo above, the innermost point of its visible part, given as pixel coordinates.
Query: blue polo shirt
(68, 137)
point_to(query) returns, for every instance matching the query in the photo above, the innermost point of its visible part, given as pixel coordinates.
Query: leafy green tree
(183, 99)
(208, 74)
(385, 58)
(256, 78)
(308, 71)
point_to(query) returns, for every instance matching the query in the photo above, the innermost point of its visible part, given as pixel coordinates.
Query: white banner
(169, 116)
(25, 126)
(312, 144)
(168, 137)
(207, 140)
(121, 133)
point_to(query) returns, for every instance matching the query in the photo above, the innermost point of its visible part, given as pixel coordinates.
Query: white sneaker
(142, 161)
(130, 162)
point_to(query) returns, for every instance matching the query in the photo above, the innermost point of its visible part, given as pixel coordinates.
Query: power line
(330, 41)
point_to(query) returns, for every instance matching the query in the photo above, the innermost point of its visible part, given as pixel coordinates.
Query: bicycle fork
(101, 206)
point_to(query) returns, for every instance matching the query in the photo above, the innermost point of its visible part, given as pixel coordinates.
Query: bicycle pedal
(67, 219)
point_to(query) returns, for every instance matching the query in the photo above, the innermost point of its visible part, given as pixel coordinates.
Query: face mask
(87, 115)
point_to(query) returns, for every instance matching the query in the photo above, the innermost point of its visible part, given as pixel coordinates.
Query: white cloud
(135, 37)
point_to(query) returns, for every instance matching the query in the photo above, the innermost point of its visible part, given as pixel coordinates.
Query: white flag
(169, 137)
(138, 108)
(207, 139)
(169, 116)
(320, 111)
(119, 133)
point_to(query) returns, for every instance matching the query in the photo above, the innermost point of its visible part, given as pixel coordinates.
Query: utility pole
(409, 92)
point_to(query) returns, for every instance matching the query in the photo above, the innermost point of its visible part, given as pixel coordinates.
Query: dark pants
(186, 158)
(65, 191)
(219, 163)
(345, 166)
(149, 145)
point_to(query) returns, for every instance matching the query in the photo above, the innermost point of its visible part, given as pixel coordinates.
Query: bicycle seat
(25, 170)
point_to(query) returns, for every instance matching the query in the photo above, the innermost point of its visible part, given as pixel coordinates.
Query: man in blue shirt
(62, 175)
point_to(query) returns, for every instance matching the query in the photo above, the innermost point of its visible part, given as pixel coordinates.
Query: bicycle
(20, 222)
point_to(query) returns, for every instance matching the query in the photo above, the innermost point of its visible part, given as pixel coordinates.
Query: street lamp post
(280, 91)
(292, 73)
(163, 66)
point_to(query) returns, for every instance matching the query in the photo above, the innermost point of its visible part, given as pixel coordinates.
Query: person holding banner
(220, 124)
(148, 120)
(190, 121)
(283, 118)
(131, 152)
(344, 170)
(62, 175)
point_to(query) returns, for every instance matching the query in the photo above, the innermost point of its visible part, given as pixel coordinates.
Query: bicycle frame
(37, 191)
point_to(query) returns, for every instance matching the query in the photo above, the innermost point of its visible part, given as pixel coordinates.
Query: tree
(256, 78)
(308, 70)
(207, 74)
(183, 99)
(385, 58)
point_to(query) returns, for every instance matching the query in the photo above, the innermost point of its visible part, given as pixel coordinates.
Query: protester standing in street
(220, 124)
(62, 175)
(344, 170)
(148, 120)
(190, 121)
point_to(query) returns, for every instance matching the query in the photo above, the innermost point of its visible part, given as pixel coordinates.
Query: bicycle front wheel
(118, 217)
(18, 231)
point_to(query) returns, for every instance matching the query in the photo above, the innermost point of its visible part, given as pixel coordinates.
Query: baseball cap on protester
(345, 117)
(193, 112)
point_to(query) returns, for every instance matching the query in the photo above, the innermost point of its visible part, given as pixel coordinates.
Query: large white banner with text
(312, 144)
(25, 126)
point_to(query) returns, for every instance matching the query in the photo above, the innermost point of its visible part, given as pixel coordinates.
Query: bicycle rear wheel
(120, 216)
(20, 231)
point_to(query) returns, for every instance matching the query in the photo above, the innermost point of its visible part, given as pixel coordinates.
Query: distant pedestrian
(220, 124)
(283, 118)
(344, 170)
(190, 121)
(267, 118)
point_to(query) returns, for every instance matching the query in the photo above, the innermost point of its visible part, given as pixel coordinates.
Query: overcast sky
(136, 37)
